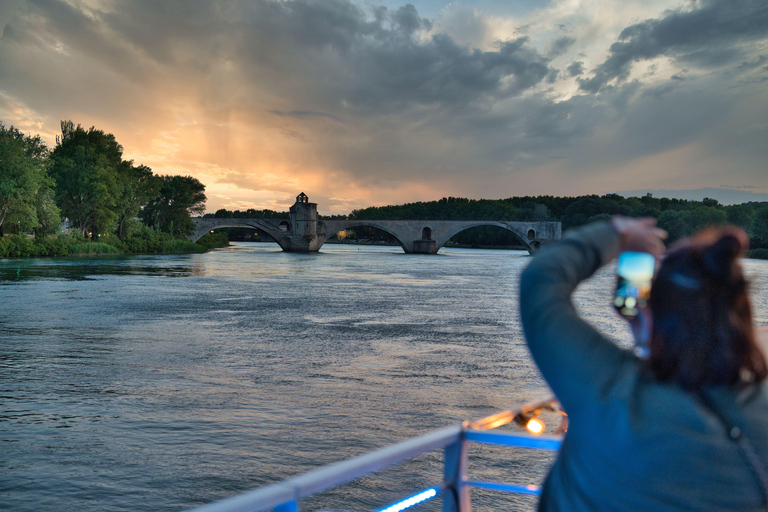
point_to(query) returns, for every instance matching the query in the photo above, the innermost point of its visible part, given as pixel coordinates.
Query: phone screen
(633, 287)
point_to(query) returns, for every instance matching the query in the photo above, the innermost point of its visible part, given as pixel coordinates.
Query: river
(165, 382)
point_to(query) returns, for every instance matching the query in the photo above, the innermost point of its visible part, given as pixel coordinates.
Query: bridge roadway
(415, 236)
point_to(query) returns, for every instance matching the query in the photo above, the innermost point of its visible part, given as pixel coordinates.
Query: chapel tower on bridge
(304, 217)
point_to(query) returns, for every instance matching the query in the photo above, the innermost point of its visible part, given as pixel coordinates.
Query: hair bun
(718, 258)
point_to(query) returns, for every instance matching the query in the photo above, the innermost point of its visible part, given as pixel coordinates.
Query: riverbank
(144, 242)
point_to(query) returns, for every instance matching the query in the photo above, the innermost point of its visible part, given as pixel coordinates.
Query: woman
(653, 434)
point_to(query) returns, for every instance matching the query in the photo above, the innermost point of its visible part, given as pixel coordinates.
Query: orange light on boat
(535, 426)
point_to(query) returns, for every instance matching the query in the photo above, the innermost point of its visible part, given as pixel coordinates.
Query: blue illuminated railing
(285, 496)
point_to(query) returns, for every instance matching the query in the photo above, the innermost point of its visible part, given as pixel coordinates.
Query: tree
(136, 186)
(759, 231)
(741, 215)
(704, 216)
(171, 212)
(48, 214)
(23, 177)
(673, 224)
(85, 165)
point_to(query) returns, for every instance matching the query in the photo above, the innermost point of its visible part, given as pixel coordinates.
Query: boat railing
(285, 496)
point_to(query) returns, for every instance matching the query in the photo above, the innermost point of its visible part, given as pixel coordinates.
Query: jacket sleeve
(574, 358)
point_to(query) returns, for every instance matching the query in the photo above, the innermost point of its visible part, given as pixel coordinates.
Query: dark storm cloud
(373, 59)
(48, 23)
(560, 45)
(397, 72)
(709, 35)
(575, 68)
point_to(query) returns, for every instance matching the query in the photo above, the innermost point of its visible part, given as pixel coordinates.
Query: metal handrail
(285, 496)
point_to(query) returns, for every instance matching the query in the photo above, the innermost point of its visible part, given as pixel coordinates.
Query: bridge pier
(425, 247)
(304, 235)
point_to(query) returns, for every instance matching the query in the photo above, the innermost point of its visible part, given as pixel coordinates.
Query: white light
(409, 502)
(535, 426)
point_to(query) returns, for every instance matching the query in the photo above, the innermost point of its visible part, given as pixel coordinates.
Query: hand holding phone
(640, 235)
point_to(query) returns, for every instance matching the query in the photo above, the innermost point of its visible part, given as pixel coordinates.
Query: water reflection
(84, 268)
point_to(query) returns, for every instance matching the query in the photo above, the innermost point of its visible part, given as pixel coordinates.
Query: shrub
(17, 246)
(143, 239)
(211, 240)
(88, 248)
(5, 244)
(52, 246)
(114, 241)
(177, 246)
(759, 254)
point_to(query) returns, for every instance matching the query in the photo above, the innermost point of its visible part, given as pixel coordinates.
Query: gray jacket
(633, 443)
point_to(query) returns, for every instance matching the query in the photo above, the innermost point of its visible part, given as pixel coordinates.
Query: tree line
(85, 180)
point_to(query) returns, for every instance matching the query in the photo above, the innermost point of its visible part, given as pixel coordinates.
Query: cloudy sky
(361, 103)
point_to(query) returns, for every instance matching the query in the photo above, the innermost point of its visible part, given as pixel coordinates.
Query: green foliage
(52, 246)
(704, 216)
(180, 197)
(113, 240)
(531, 210)
(599, 217)
(136, 187)
(100, 192)
(213, 240)
(141, 239)
(450, 208)
(20, 246)
(48, 214)
(17, 246)
(178, 246)
(741, 215)
(671, 221)
(759, 254)
(591, 207)
(759, 231)
(92, 248)
(85, 166)
(24, 180)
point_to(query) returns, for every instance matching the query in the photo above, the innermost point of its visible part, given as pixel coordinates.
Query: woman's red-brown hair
(702, 321)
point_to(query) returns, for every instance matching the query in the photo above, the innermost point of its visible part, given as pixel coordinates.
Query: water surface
(165, 382)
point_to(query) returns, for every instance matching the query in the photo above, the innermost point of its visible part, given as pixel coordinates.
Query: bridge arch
(258, 229)
(374, 224)
(521, 236)
(206, 225)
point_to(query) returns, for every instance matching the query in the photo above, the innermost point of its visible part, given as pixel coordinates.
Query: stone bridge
(304, 232)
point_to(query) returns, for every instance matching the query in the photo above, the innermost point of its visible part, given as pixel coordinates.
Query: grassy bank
(141, 242)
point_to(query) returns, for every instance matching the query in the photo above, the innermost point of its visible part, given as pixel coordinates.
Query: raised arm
(574, 358)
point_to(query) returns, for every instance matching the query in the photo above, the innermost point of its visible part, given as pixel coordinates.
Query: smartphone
(633, 286)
